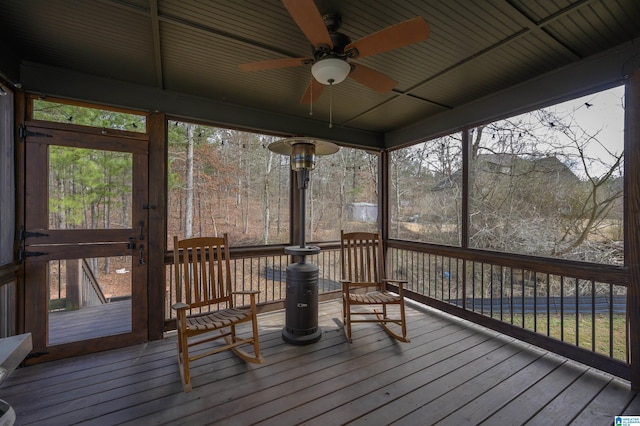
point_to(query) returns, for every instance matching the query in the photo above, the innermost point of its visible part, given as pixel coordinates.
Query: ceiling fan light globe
(330, 71)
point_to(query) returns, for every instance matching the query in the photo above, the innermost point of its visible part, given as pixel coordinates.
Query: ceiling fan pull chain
(330, 104)
(311, 99)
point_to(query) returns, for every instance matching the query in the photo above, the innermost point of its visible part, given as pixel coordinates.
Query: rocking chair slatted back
(204, 277)
(361, 258)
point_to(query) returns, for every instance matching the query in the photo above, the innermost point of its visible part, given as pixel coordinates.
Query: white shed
(362, 212)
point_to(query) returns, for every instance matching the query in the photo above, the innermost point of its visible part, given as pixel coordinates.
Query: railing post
(74, 285)
(632, 220)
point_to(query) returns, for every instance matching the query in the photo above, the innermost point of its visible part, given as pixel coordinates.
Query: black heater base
(301, 340)
(301, 308)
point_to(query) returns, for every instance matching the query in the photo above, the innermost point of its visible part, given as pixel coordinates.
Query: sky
(595, 121)
(601, 113)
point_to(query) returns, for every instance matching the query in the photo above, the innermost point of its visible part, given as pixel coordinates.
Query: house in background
(491, 166)
(546, 168)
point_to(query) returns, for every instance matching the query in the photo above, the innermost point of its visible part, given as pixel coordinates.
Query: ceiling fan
(333, 51)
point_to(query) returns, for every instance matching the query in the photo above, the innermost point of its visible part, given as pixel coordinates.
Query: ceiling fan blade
(372, 78)
(313, 92)
(274, 63)
(308, 18)
(398, 35)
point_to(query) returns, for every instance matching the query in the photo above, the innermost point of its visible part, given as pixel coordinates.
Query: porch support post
(20, 113)
(467, 158)
(157, 220)
(632, 220)
(384, 187)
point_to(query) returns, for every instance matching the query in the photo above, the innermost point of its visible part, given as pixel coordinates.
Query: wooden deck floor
(90, 322)
(452, 372)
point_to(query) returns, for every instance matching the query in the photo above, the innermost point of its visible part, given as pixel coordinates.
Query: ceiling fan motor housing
(332, 21)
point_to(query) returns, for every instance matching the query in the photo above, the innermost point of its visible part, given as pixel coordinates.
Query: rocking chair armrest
(252, 296)
(178, 306)
(400, 283)
(393, 280)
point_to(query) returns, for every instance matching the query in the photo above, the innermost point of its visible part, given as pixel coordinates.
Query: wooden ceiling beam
(155, 35)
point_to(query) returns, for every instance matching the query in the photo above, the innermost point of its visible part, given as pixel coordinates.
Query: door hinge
(22, 254)
(23, 234)
(23, 133)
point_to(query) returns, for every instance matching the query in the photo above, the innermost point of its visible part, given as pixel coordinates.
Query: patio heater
(301, 306)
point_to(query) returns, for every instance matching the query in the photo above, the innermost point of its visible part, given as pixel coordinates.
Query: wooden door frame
(36, 295)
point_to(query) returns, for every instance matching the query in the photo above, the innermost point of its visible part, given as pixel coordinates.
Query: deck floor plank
(477, 410)
(452, 372)
(573, 400)
(402, 380)
(372, 339)
(428, 407)
(90, 322)
(357, 385)
(363, 360)
(159, 394)
(615, 397)
(633, 409)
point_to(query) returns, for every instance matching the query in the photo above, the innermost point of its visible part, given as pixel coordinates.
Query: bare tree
(189, 188)
(266, 203)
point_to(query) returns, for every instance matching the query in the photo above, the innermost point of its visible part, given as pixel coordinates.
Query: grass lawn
(580, 334)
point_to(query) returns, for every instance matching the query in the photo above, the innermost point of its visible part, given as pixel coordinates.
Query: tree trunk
(265, 199)
(188, 225)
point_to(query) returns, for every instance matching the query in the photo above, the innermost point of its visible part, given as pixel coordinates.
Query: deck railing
(577, 310)
(570, 308)
(73, 272)
(265, 272)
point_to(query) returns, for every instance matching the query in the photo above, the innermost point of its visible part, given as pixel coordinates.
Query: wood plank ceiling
(190, 47)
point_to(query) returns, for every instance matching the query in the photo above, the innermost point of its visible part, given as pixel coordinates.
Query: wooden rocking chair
(205, 302)
(364, 284)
